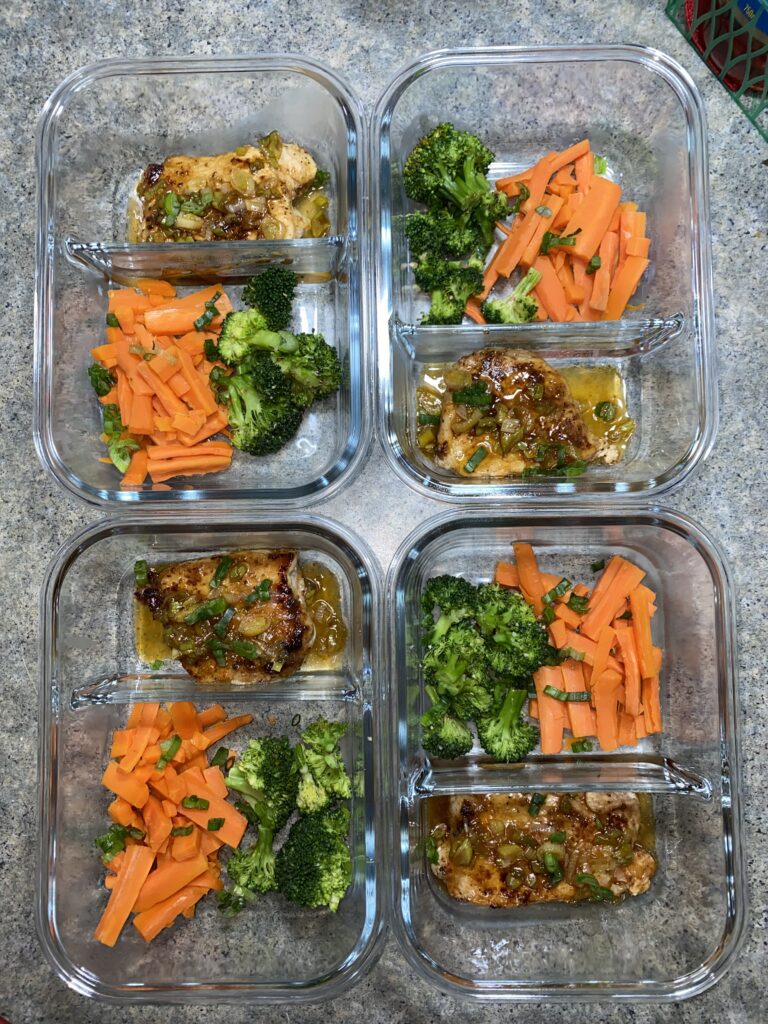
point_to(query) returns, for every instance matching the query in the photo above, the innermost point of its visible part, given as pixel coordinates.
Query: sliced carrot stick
(530, 580)
(512, 248)
(179, 385)
(200, 391)
(549, 291)
(627, 734)
(157, 821)
(624, 286)
(140, 737)
(173, 404)
(127, 297)
(641, 626)
(126, 318)
(473, 311)
(214, 779)
(568, 615)
(593, 217)
(167, 879)
(125, 785)
(197, 465)
(579, 713)
(588, 648)
(605, 640)
(154, 286)
(585, 169)
(185, 847)
(132, 877)
(603, 609)
(121, 812)
(134, 716)
(558, 633)
(609, 249)
(651, 704)
(625, 638)
(638, 246)
(231, 832)
(544, 224)
(552, 714)
(222, 729)
(173, 319)
(184, 719)
(179, 451)
(213, 425)
(605, 697)
(507, 574)
(142, 418)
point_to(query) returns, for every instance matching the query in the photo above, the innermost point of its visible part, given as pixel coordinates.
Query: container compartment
(649, 126)
(90, 676)
(696, 905)
(97, 132)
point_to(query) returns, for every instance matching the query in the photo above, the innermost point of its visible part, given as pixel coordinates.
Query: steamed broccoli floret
(263, 415)
(238, 332)
(517, 642)
(271, 292)
(457, 666)
(444, 310)
(440, 233)
(442, 735)
(504, 735)
(454, 597)
(322, 773)
(450, 283)
(265, 775)
(517, 308)
(313, 366)
(314, 867)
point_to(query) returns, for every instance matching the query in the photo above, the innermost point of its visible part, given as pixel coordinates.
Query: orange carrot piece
(627, 731)
(121, 812)
(609, 249)
(136, 473)
(186, 847)
(199, 390)
(153, 286)
(105, 354)
(585, 169)
(552, 714)
(178, 451)
(178, 385)
(604, 608)
(473, 311)
(132, 877)
(512, 248)
(573, 293)
(213, 425)
(149, 712)
(507, 574)
(651, 704)
(167, 879)
(121, 741)
(134, 716)
(151, 922)
(140, 737)
(602, 651)
(593, 217)
(176, 319)
(184, 719)
(126, 318)
(127, 297)
(558, 633)
(173, 404)
(588, 648)
(157, 821)
(193, 342)
(222, 729)
(538, 182)
(544, 224)
(530, 580)
(214, 779)
(605, 697)
(193, 465)
(174, 785)
(567, 615)
(210, 716)
(579, 712)
(142, 418)
(126, 785)
(231, 832)
(549, 291)
(169, 808)
(624, 286)
(625, 638)
(124, 397)
(641, 626)
(638, 246)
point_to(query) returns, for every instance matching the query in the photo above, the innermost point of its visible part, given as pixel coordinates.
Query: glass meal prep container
(643, 114)
(90, 678)
(97, 133)
(680, 936)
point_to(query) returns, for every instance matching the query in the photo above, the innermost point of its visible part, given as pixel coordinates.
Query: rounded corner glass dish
(97, 133)
(649, 125)
(90, 678)
(680, 936)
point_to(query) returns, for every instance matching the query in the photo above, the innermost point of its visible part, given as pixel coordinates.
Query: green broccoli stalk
(442, 735)
(519, 307)
(271, 293)
(505, 736)
(323, 775)
(265, 775)
(314, 867)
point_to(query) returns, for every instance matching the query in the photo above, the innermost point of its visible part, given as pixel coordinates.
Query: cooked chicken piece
(501, 850)
(259, 598)
(544, 427)
(248, 193)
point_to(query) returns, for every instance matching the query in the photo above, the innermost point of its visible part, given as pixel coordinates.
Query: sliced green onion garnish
(548, 614)
(536, 803)
(214, 824)
(220, 758)
(605, 411)
(601, 164)
(557, 837)
(211, 350)
(568, 696)
(571, 652)
(245, 650)
(182, 830)
(543, 211)
(430, 849)
(625, 615)
(578, 604)
(597, 891)
(594, 264)
(581, 746)
(195, 803)
(112, 320)
(475, 460)
(429, 419)
(221, 572)
(206, 610)
(562, 588)
(141, 573)
(169, 748)
(261, 593)
(597, 566)
(552, 864)
(157, 664)
(218, 649)
(220, 628)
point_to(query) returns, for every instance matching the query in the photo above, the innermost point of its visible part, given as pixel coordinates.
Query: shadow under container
(90, 675)
(677, 939)
(643, 114)
(97, 133)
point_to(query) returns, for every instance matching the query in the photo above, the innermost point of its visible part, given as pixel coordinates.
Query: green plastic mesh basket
(731, 36)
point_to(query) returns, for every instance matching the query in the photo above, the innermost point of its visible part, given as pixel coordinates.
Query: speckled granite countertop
(44, 41)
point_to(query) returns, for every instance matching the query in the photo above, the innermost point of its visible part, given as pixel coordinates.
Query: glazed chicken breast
(239, 617)
(529, 421)
(500, 851)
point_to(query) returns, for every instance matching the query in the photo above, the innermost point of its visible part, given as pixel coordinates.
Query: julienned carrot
(603, 609)
(179, 451)
(628, 649)
(602, 651)
(558, 633)
(222, 729)
(186, 846)
(552, 713)
(641, 626)
(609, 250)
(507, 574)
(652, 704)
(157, 821)
(167, 879)
(514, 245)
(593, 217)
(231, 832)
(132, 877)
(544, 223)
(624, 286)
(605, 697)
(151, 922)
(125, 784)
(184, 719)
(550, 291)
(530, 580)
(580, 714)
(164, 469)
(201, 392)
(585, 168)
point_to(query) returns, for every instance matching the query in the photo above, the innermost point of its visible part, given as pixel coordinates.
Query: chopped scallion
(568, 696)
(428, 419)
(206, 610)
(578, 604)
(141, 573)
(221, 572)
(475, 460)
(182, 830)
(561, 589)
(535, 804)
(605, 411)
(168, 750)
(220, 758)
(548, 615)
(214, 824)
(260, 593)
(195, 803)
(581, 746)
(571, 652)
(594, 264)
(112, 320)
(544, 211)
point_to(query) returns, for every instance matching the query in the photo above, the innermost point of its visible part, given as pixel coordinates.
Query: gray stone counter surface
(41, 42)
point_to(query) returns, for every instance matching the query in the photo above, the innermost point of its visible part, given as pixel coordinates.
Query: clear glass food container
(641, 111)
(678, 938)
(90, 676)
(97, 132)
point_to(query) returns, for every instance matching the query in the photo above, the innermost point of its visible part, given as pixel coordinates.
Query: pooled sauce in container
(599, 392)
(323, 597)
